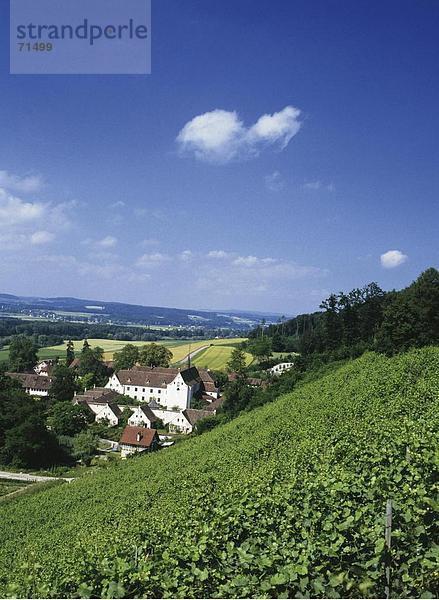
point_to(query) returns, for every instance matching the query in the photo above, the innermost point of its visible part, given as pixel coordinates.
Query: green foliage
(85, 446)
(237, 361)
(287, 501)
(260, 348)
(155, 355)
(63, 384)
(91, 365)
(70, 353)
(68, 419)
(22, 353)
(24, 439)
(126, 358)
(364, 319)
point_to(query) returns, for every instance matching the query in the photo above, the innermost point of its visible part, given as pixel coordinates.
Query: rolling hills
(286, 501)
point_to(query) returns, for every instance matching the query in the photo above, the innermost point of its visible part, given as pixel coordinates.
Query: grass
(11, 485)
(217, 357)
(179, 348)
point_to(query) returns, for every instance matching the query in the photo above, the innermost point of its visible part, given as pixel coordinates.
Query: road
(191, 355)
(29, 477)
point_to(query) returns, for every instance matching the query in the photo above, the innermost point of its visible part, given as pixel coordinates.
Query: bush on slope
(286, 501)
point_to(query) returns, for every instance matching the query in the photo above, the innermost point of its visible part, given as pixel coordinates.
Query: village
(161, 400)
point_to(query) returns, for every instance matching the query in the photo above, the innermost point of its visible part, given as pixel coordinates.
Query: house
(170, 388)
(33, 384)
(281, 368)
(102, 402)
(45, 367)
(138, 439)
(251, 381)
(109, 412)
(188, 419)
(143, 416)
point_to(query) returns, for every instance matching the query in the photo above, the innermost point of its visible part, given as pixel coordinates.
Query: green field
(179, 348)
(287, 501)
(7, 486)
(216, 357)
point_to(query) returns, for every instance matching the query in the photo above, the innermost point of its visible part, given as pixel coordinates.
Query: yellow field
(179, 349)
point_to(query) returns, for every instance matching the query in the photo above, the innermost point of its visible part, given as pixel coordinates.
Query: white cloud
(118, 204)
(218, 254)
(151, 260)
(220, 136)
(279, 127)
(274, 182)
(392, 259)
(40, 238)
(15, 183)
(186, 256)
(14, 211)
(107, 242)
(318, 185)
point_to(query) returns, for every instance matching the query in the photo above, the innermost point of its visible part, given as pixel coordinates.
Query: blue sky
(280, 150)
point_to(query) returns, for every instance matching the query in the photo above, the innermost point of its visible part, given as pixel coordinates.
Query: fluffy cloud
(108, 241)
(217, 254)
(186, 256)
(392, 259)
(14, 211)
(220, 136)
(152, 260)
(40, 238)
(15, 183)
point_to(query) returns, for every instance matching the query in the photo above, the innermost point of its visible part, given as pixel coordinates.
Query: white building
(281, 368)
(142, 416)
(110, 413)
(103, 404)
(33, 384)
(186, 421)
(138, 439)
(171, 388)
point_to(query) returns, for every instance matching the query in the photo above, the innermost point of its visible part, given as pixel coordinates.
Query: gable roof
(97, 396)
(193, 415)
(32, 380)
(148, 412)
(213, 406)
(158, 377)
(115, 409)
(130, 435)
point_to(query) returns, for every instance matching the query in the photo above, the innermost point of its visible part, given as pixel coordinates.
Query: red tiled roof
(130, 435)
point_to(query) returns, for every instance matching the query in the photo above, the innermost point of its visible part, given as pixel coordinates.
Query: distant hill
(287, 501)
(118, 312)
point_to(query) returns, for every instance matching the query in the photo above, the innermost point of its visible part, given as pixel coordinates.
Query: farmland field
(216, 357)
(179, 348)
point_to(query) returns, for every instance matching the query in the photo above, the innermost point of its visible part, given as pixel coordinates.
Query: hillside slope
(286, 501)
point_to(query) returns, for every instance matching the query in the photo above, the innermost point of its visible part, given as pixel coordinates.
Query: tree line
(363, 319)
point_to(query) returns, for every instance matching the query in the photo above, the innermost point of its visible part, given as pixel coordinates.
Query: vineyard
(286, 501)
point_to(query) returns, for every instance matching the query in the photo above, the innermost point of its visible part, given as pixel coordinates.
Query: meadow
(286, 501)
(215, 357)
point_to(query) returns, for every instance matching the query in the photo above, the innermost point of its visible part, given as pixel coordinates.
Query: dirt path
(191, 355)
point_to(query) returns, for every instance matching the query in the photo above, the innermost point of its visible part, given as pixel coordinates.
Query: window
(159, 391)
(135, 389)
(151, 391)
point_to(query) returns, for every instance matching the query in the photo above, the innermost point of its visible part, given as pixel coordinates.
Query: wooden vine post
(388, 539)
